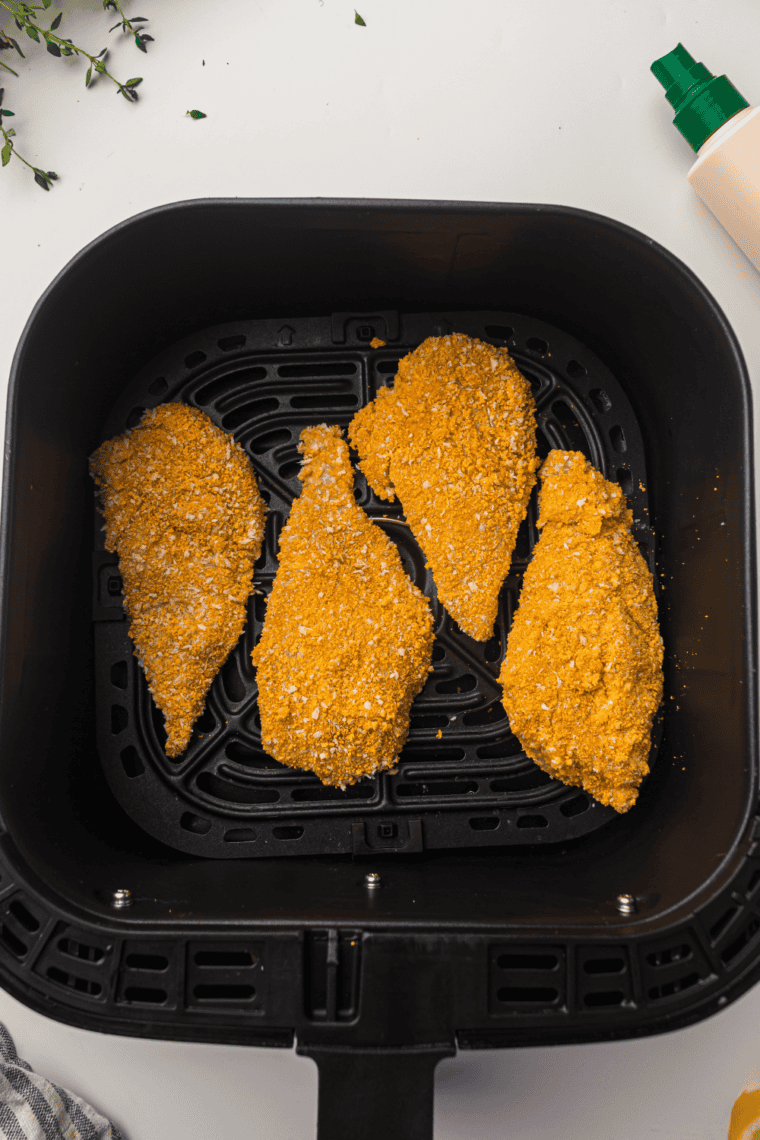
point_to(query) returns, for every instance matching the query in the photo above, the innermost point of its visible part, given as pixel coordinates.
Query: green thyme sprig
(129, 27)
(25, 18)
(43, 178)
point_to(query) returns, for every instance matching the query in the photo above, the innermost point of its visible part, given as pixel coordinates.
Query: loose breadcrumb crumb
(185, 516)
(347, 639)
(376, 342)
(582, 676)
(455, 440)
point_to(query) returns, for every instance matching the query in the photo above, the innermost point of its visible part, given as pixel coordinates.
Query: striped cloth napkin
(32, 1108)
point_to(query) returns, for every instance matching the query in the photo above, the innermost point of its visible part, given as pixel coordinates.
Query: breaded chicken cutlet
(582, 676)
(347, 638)
(455, 440)
(184, 514)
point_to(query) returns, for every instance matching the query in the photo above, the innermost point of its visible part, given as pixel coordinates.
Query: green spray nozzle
(703, 101)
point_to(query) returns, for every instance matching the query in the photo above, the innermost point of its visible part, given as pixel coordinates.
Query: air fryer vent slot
(81, 950)
(12, 942)
(224, 991)
(670, 967)
(151, 962)
(746, 936)
(74, 982)
(526, 978)
(149, 973)
(147, 995)
(228, 974)
(23, 915)
(603, 977)
(76, 960)
(20, 928)
(720, 925)
(603, 998)
(233, 958)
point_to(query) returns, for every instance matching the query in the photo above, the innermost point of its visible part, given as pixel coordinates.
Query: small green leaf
(52, 174)
(41, 180)
(32, 32)
(5, 154)
(46, 3)
(99, 66)
(132, 82)
(196, 114)
(56, 22)
(53, 48)
(18, 49)
(358, 20)
(113, 29)
(2, 93)
(5, 111)
(5, 65)
(88, 77)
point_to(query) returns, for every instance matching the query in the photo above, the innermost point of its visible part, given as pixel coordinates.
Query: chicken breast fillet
(185, 516)
(455, 440)
(582, 676)
(347, 639)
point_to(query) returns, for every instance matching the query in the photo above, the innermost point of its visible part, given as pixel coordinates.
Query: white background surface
(506, 100)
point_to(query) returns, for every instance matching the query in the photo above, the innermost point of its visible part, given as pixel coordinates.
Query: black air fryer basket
(221, 897)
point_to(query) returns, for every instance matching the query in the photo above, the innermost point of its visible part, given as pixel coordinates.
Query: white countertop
(486, 100)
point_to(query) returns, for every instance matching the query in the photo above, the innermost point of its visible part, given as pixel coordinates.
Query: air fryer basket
(470, 940)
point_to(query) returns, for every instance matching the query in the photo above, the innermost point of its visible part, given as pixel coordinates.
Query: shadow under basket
(144, 897)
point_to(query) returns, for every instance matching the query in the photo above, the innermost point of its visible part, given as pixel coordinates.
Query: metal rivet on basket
(372, 881)
(121, 898)
(626, 904)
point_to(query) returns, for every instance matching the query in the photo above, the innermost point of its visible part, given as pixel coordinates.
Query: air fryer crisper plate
(463, 779)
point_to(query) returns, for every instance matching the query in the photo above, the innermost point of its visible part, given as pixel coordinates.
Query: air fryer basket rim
(65, 952)
(422, 207)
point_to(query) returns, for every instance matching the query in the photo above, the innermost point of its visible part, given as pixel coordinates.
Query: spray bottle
(719, 124)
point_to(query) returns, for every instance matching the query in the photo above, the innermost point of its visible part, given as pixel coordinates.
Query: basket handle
(376, 1093)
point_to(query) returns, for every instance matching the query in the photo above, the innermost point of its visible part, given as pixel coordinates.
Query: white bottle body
(726, 176)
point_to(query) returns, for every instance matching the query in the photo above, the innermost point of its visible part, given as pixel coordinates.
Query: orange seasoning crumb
(745, 1116)
(185, 516)
(582, 676)
(376, 342)
(347, 639)
(455, 439)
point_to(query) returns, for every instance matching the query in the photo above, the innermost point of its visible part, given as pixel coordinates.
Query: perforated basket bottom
(265, 381)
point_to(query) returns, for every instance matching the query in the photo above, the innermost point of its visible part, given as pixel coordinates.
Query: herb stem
(125, 22)
(66, 47)
(7, 138)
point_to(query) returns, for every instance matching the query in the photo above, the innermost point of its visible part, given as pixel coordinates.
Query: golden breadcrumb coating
(582, 676)
(185, 516)
(347, 639)
(455, 440)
